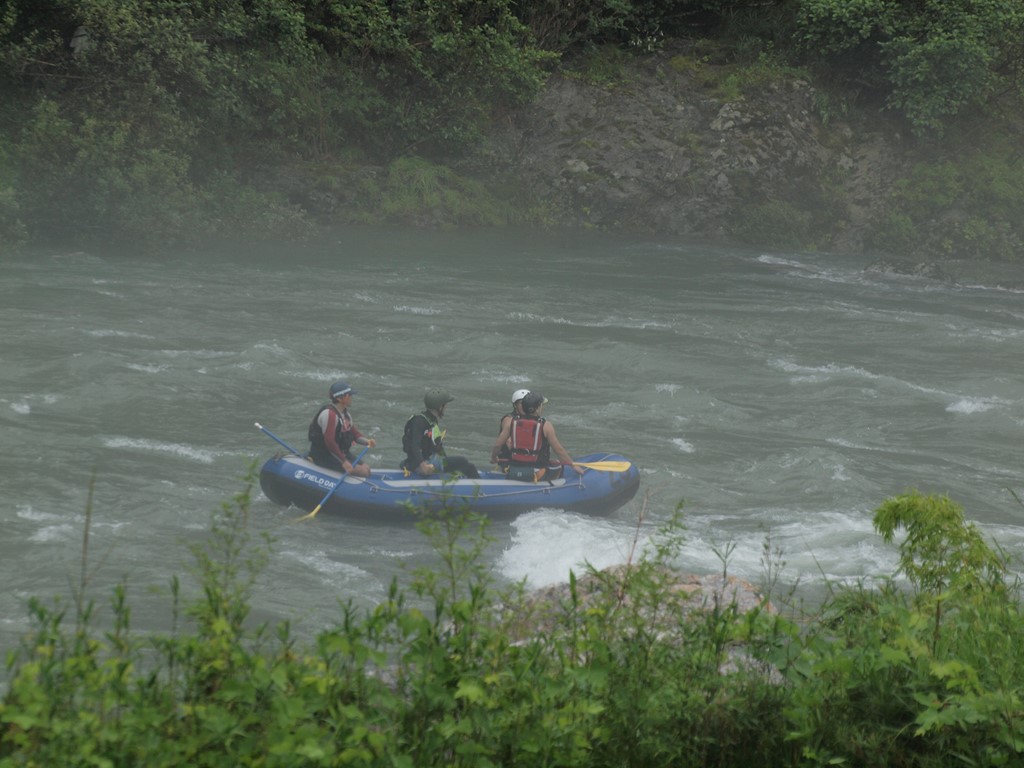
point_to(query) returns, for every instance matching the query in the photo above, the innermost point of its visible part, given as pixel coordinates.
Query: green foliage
(932, 59)
(931, 678)
(941, 549)
(622, 668)
(414, 189)
(171, 103)
(775, 223)
(603, 65)
(479, 682)
(428, 74)
(767, 68)
(12, 229)
(970, 206)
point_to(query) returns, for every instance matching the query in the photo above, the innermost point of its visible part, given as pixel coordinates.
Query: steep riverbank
(675, 144)
(678, 143)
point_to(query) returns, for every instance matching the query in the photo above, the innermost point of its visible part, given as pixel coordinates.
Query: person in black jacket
(423, 439)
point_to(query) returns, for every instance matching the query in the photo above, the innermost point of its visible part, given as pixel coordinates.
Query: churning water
(781, 396)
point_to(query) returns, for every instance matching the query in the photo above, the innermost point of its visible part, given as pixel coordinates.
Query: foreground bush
(628, 671)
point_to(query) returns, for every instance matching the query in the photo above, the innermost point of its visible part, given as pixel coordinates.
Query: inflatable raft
(388, 494)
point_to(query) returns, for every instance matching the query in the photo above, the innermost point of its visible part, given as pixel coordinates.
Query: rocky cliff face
(663, 149)
(676, 145)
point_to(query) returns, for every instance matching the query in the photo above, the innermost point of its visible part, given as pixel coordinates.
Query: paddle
(330, 493)
(275, 438)
(604, 466)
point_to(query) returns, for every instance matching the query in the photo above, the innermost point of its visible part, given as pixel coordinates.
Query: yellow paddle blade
(311, 515)
(605, 466)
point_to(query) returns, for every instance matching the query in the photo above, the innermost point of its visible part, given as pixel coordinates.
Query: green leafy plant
(621, 667)
(931, 60)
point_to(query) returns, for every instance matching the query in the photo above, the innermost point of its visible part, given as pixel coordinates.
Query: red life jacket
(528, 443)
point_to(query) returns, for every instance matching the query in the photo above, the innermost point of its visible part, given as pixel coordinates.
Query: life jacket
(430, 439)
(528, 443)
(343, 434)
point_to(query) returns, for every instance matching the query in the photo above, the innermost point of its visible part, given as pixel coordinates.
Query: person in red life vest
(517, 410)
(532, 440)
(332, 434)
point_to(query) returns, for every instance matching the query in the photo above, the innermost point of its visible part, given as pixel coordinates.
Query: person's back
(529, 450)
(532, 438)
(505, 452)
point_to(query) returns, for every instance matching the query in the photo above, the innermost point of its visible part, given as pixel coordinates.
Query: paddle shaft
(337, 485)
(275, 438)
(603, 466)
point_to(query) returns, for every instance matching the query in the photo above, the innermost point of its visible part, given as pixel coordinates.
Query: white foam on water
(547, 544)
(24, 406)
(844, 443)
(809, 271)
(629, 323)
(502, 377)
(26, 512)
(319, 375)
(394, 554)
(325, 564)
(972, 405)
(827, 372)
(48, 533)
(826, 546)
(839, 473)
(778, 261)
(417, 310)
(197, 353)
(633, 323)
(810, 547)
(187, 451)
(276, 348)
(105, 333)
(683, 445)
(670, 388)
(143, 368)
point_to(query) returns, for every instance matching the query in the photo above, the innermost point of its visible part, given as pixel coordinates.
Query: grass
(622, 668)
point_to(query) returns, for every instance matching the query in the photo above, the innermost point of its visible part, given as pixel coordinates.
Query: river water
(781, 397)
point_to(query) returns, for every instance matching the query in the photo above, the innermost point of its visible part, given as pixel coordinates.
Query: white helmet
(519, 394)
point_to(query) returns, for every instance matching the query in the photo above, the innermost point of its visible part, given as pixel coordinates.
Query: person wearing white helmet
(532, 440)
(332, 433)
(517, 410)
(422, 440)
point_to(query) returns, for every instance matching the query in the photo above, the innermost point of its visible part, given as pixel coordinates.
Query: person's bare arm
(506, 431)
(549, 433)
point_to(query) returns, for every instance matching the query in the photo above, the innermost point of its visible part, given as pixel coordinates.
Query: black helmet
(533, 401)
(437, 398)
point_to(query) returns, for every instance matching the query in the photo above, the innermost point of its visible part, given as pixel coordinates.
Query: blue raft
(291, 480)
